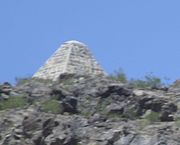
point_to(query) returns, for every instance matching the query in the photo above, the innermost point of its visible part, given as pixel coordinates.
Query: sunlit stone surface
(73, 57)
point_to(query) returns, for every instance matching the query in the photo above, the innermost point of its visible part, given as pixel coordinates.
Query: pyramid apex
(75, 42)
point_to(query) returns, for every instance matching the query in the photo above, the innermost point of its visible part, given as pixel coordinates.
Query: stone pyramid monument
(72, 57)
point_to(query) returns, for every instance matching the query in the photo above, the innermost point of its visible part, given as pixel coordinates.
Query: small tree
(22, 80)
(119, 75)
(149, 81)
(153, 81)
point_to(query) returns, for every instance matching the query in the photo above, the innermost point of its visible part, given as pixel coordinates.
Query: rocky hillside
(87, 110)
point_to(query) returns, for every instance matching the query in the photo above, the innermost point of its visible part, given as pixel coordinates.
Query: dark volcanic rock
(115, 89)
(69, 104)
(168, 111)
(59, 93)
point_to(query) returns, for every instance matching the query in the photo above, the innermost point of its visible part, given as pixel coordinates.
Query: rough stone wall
(72, 57)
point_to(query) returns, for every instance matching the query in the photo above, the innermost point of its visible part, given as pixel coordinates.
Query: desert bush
(13, 102)
(86, 114)
(148, 120)
(52, 106)
(142, 123)
(119, 75)
(24, 80)
(149, 81)
(152, 117)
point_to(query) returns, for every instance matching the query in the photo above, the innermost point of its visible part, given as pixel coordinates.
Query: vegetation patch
(148, 81)
(20, 81)
(25, 80)
(153, 117)
(86, 114)
(130, 113)
(142, 123)
(177, 122)
(52, 106)
(13, 102)
(120, 76)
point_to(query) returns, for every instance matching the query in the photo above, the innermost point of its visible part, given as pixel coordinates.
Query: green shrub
(153, 81)
(149, 81)
(20, 80)
(52, 106)
(86, 114)
(148, 120)
(142, 123)
(153, 117)
(13, 102)
(116, 117)
(177, 122)
(24, 80)
(119, 75)
(130, 113)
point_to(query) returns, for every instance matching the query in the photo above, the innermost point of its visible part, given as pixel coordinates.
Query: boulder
(115, 109)
(167, 112)
(114, 89)
(69, 104)
(6, 88)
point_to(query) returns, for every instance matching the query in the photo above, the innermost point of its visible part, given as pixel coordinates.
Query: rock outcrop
(88, 110)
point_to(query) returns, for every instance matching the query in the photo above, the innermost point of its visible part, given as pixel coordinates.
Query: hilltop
(88, 110)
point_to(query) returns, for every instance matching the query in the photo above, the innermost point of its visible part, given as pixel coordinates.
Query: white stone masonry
(72, 57)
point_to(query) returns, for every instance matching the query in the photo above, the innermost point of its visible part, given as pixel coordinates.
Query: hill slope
(88, 110)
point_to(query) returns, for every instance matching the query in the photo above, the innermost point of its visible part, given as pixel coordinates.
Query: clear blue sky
(139, 36)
